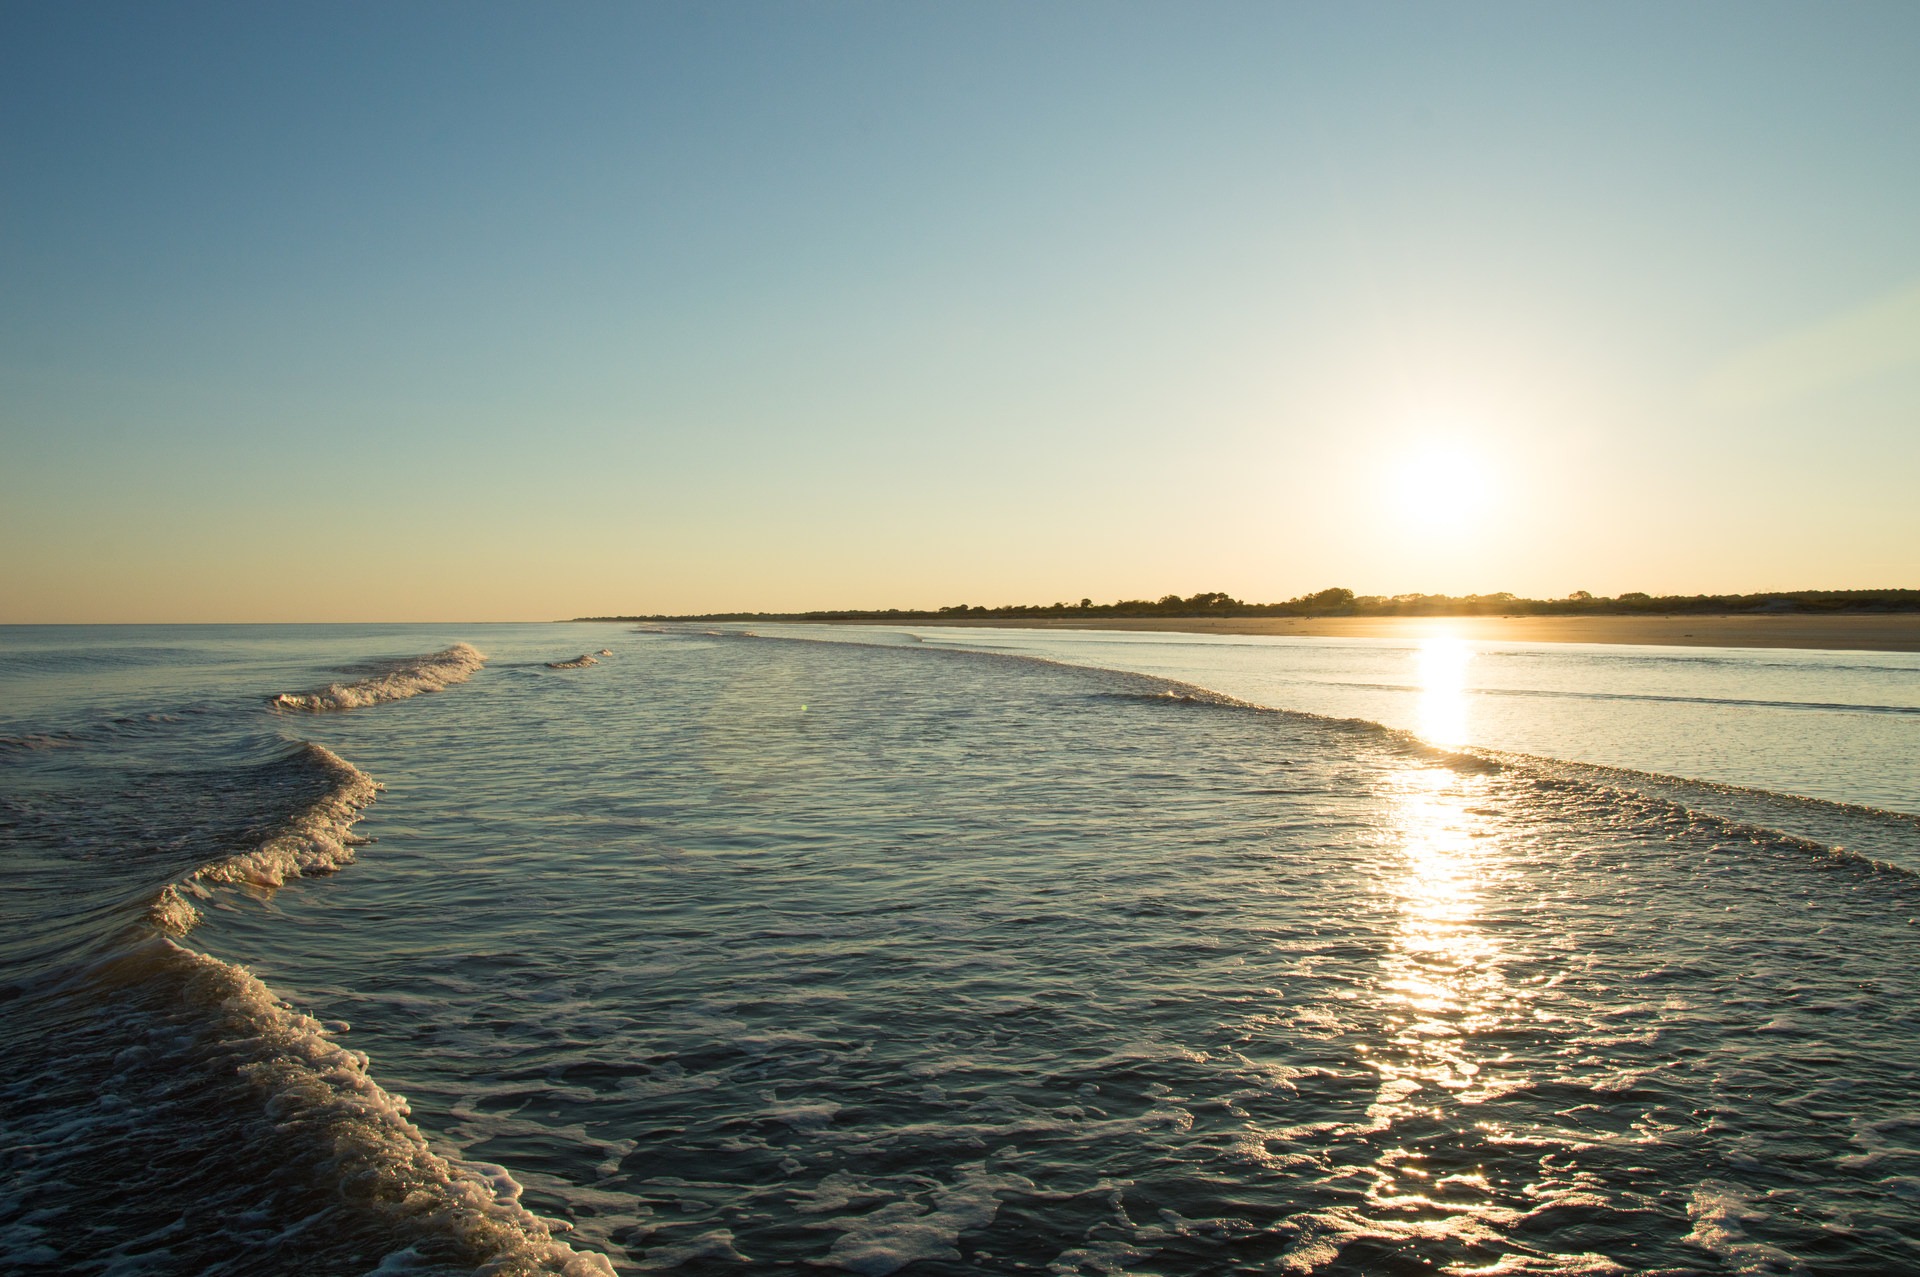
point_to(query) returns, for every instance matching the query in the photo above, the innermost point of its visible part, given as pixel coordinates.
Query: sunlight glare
(1442, 489)
(1443, 993)
(1440, 666)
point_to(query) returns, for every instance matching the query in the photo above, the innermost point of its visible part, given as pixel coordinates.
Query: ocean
(791, 949)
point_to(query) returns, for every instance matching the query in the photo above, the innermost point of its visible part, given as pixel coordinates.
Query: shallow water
(1840, 726)
(741, 954)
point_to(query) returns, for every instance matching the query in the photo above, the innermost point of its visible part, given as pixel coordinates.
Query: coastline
(1869, 632)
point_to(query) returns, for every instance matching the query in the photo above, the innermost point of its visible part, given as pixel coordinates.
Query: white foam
(1721, 1214)
(903, 1232)
(314, 840)
(1320, 1235)
(1878, 1139)
(426, 674)
(804, 1117)
(313, 1085)
(1585, 1264)
(1111, 1258)
(577, 663)
(716, 1244)
(172, 912)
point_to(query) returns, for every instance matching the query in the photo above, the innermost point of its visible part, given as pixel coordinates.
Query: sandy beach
(1885, 632)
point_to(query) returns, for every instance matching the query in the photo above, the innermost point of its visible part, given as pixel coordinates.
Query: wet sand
(1883, 632)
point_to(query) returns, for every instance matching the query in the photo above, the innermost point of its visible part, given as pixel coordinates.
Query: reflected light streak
(1440, 666)
(1441, 989)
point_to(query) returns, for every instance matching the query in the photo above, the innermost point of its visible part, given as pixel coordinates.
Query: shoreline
(1869, 632)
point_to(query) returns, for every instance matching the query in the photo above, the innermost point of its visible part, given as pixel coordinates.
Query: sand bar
(1875, 632)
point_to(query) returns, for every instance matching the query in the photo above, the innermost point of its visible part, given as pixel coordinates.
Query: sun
(1441, 489)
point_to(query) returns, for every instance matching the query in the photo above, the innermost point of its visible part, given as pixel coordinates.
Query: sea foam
(314, 840)
(313, 1085)
(278, 1142)
(431, 673)
(280, 1146)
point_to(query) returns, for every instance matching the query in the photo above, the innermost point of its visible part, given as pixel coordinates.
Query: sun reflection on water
(1442, 996)
(1441, 664)
(1442, 983)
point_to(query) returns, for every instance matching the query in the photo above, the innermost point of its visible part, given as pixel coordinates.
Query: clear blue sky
(485, 311)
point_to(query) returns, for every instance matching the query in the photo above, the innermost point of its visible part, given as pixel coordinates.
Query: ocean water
(352, 950)
(1840, 726)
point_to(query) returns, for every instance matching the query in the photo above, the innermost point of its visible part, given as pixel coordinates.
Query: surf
(815, 946)
(1886, 838)
(155, 1049)
(314, 840)
(408, 678)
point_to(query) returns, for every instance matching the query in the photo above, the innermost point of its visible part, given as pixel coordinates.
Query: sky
(484, 311)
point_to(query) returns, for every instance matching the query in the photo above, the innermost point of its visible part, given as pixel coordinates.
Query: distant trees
(1338, 601)
(1333, 600)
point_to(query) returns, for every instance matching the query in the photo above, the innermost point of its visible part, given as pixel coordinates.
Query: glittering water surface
(759, 955)
(1842, 726)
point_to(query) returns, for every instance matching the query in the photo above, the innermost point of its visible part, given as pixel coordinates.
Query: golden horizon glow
(571, 358)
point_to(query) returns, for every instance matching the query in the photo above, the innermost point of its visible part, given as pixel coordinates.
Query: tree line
(1338, 601)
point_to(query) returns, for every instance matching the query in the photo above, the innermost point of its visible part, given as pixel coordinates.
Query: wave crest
(172, 912)
(430, 673)
(314, 840)
(198, 1123)
(318, 1089)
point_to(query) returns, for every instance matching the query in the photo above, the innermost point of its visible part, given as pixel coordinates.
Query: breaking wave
(577, 663)
(314, 840)
(456, 664)
(267, 1145)
(277, 1150)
